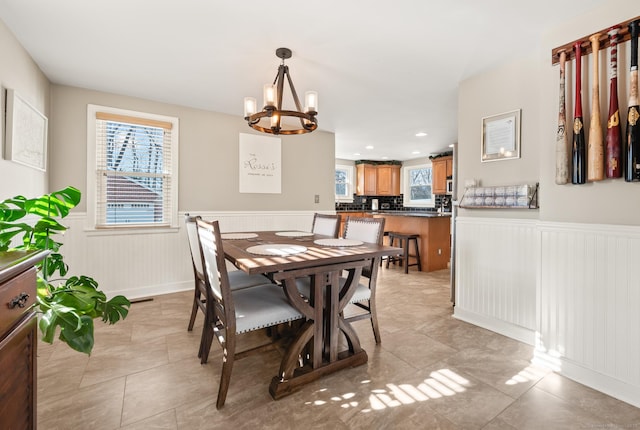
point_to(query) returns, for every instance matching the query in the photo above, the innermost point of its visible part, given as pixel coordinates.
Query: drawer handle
(19, 301)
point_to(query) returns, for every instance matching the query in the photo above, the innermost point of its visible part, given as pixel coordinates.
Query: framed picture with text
(501, 136)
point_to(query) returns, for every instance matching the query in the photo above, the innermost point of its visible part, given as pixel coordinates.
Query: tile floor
(431, 372)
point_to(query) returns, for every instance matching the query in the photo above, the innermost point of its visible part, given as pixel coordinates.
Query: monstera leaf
(68, 305)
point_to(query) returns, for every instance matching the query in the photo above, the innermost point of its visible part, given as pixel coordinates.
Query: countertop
(404, 213)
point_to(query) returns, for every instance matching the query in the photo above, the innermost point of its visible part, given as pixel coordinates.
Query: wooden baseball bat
(595, 151)
(632, 159)
(612, 163)
(578, 149)
(562, 140)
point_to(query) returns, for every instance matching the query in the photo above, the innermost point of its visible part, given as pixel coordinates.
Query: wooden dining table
(315, 350)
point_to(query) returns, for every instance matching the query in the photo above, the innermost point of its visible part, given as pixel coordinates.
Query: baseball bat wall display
(613, 167)
(578, 149)
(632, 158)
(595, 149)
(562, 141)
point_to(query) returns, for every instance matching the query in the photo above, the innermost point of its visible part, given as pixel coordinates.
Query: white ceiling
(384, 70)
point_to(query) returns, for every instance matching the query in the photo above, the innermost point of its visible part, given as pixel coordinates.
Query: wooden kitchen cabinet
(18, 338)
(366, 181)
(388, 180)
(441, 169)
(378, 179)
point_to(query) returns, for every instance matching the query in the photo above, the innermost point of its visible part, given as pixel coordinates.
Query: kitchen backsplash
(391, 203)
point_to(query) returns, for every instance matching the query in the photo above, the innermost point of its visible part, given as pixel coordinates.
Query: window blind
(133, 171)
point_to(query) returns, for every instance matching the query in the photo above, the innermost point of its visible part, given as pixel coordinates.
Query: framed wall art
(260, 164)
(501, 136)
(25, 133)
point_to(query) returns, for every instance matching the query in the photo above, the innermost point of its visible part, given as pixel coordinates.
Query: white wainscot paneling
(139, 263)
(496, 267)
(589, 306)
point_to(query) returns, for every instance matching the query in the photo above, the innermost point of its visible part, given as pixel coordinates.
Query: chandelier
(272, 118)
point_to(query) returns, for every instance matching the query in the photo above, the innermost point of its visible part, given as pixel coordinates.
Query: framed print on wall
(501, 136)
(260, 164)
(26, 133)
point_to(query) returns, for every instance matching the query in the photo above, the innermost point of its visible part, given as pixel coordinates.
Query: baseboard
(153, 290)
(611, 386)
(521, 334)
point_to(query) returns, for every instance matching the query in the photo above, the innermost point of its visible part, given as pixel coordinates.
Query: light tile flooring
(431, 372)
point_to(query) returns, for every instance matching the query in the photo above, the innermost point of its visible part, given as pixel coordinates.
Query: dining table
(334, 266)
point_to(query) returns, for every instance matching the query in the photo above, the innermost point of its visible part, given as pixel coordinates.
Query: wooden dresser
(18, 339)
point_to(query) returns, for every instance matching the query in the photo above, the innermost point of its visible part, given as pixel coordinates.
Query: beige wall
(20, 73)
(530, 83)
(515, 85)
(208, 155)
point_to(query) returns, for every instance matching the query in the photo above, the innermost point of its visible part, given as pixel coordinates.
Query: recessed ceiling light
(385, 158)
(451, 146)
(356, 153)
(421, 134)
(369, 147)
(416, 152)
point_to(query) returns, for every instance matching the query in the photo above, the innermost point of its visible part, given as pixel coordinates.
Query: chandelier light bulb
(269, 95)
(250, 106)
(311, 101)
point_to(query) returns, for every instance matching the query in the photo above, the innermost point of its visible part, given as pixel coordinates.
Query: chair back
(328, 225)
(369, 230)
(194, 247)
(216, 277)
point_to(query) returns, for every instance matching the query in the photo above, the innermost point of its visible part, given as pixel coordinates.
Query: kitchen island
(434, 229)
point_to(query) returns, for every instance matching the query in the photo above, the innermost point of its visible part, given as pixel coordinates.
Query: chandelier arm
(293, 91)
(282, 70)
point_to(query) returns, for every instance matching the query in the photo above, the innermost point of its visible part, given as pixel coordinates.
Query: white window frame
(91, 192)
(406, 198)
(348, 198)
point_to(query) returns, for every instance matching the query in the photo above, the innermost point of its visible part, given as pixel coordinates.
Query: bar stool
(384, 234)
(403, 240)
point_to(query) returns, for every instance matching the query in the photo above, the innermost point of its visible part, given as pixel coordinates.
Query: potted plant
(70, 304)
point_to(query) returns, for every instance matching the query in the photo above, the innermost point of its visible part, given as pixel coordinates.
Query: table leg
(324, 324)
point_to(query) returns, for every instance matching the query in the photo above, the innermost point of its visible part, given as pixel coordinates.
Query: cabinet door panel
(439, 168)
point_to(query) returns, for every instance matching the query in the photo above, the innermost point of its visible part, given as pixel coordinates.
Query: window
(131, 168)
(344, 183)
(417, 186)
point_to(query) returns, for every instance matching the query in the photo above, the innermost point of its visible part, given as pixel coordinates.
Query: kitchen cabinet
(366, 181)
(441, 168)
(434, 241)
(378, 179)
(388, 180)
(18, 338)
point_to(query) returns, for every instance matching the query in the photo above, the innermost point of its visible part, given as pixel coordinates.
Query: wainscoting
(573, 290)
(140, 263)
(589, 320)
(496, 272)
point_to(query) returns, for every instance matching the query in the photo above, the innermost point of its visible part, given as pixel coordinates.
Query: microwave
(449, 186)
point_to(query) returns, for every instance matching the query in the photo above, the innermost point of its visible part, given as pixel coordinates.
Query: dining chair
(234, 312)
(237, 278)
(369, 230)
(328, 225)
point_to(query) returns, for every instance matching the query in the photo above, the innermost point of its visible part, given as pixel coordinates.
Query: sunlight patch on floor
(528, 374)
(441, 383)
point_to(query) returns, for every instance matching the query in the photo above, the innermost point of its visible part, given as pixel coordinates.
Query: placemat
(238, 235)
(276, 249)
(294, 233)
(338, 242)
